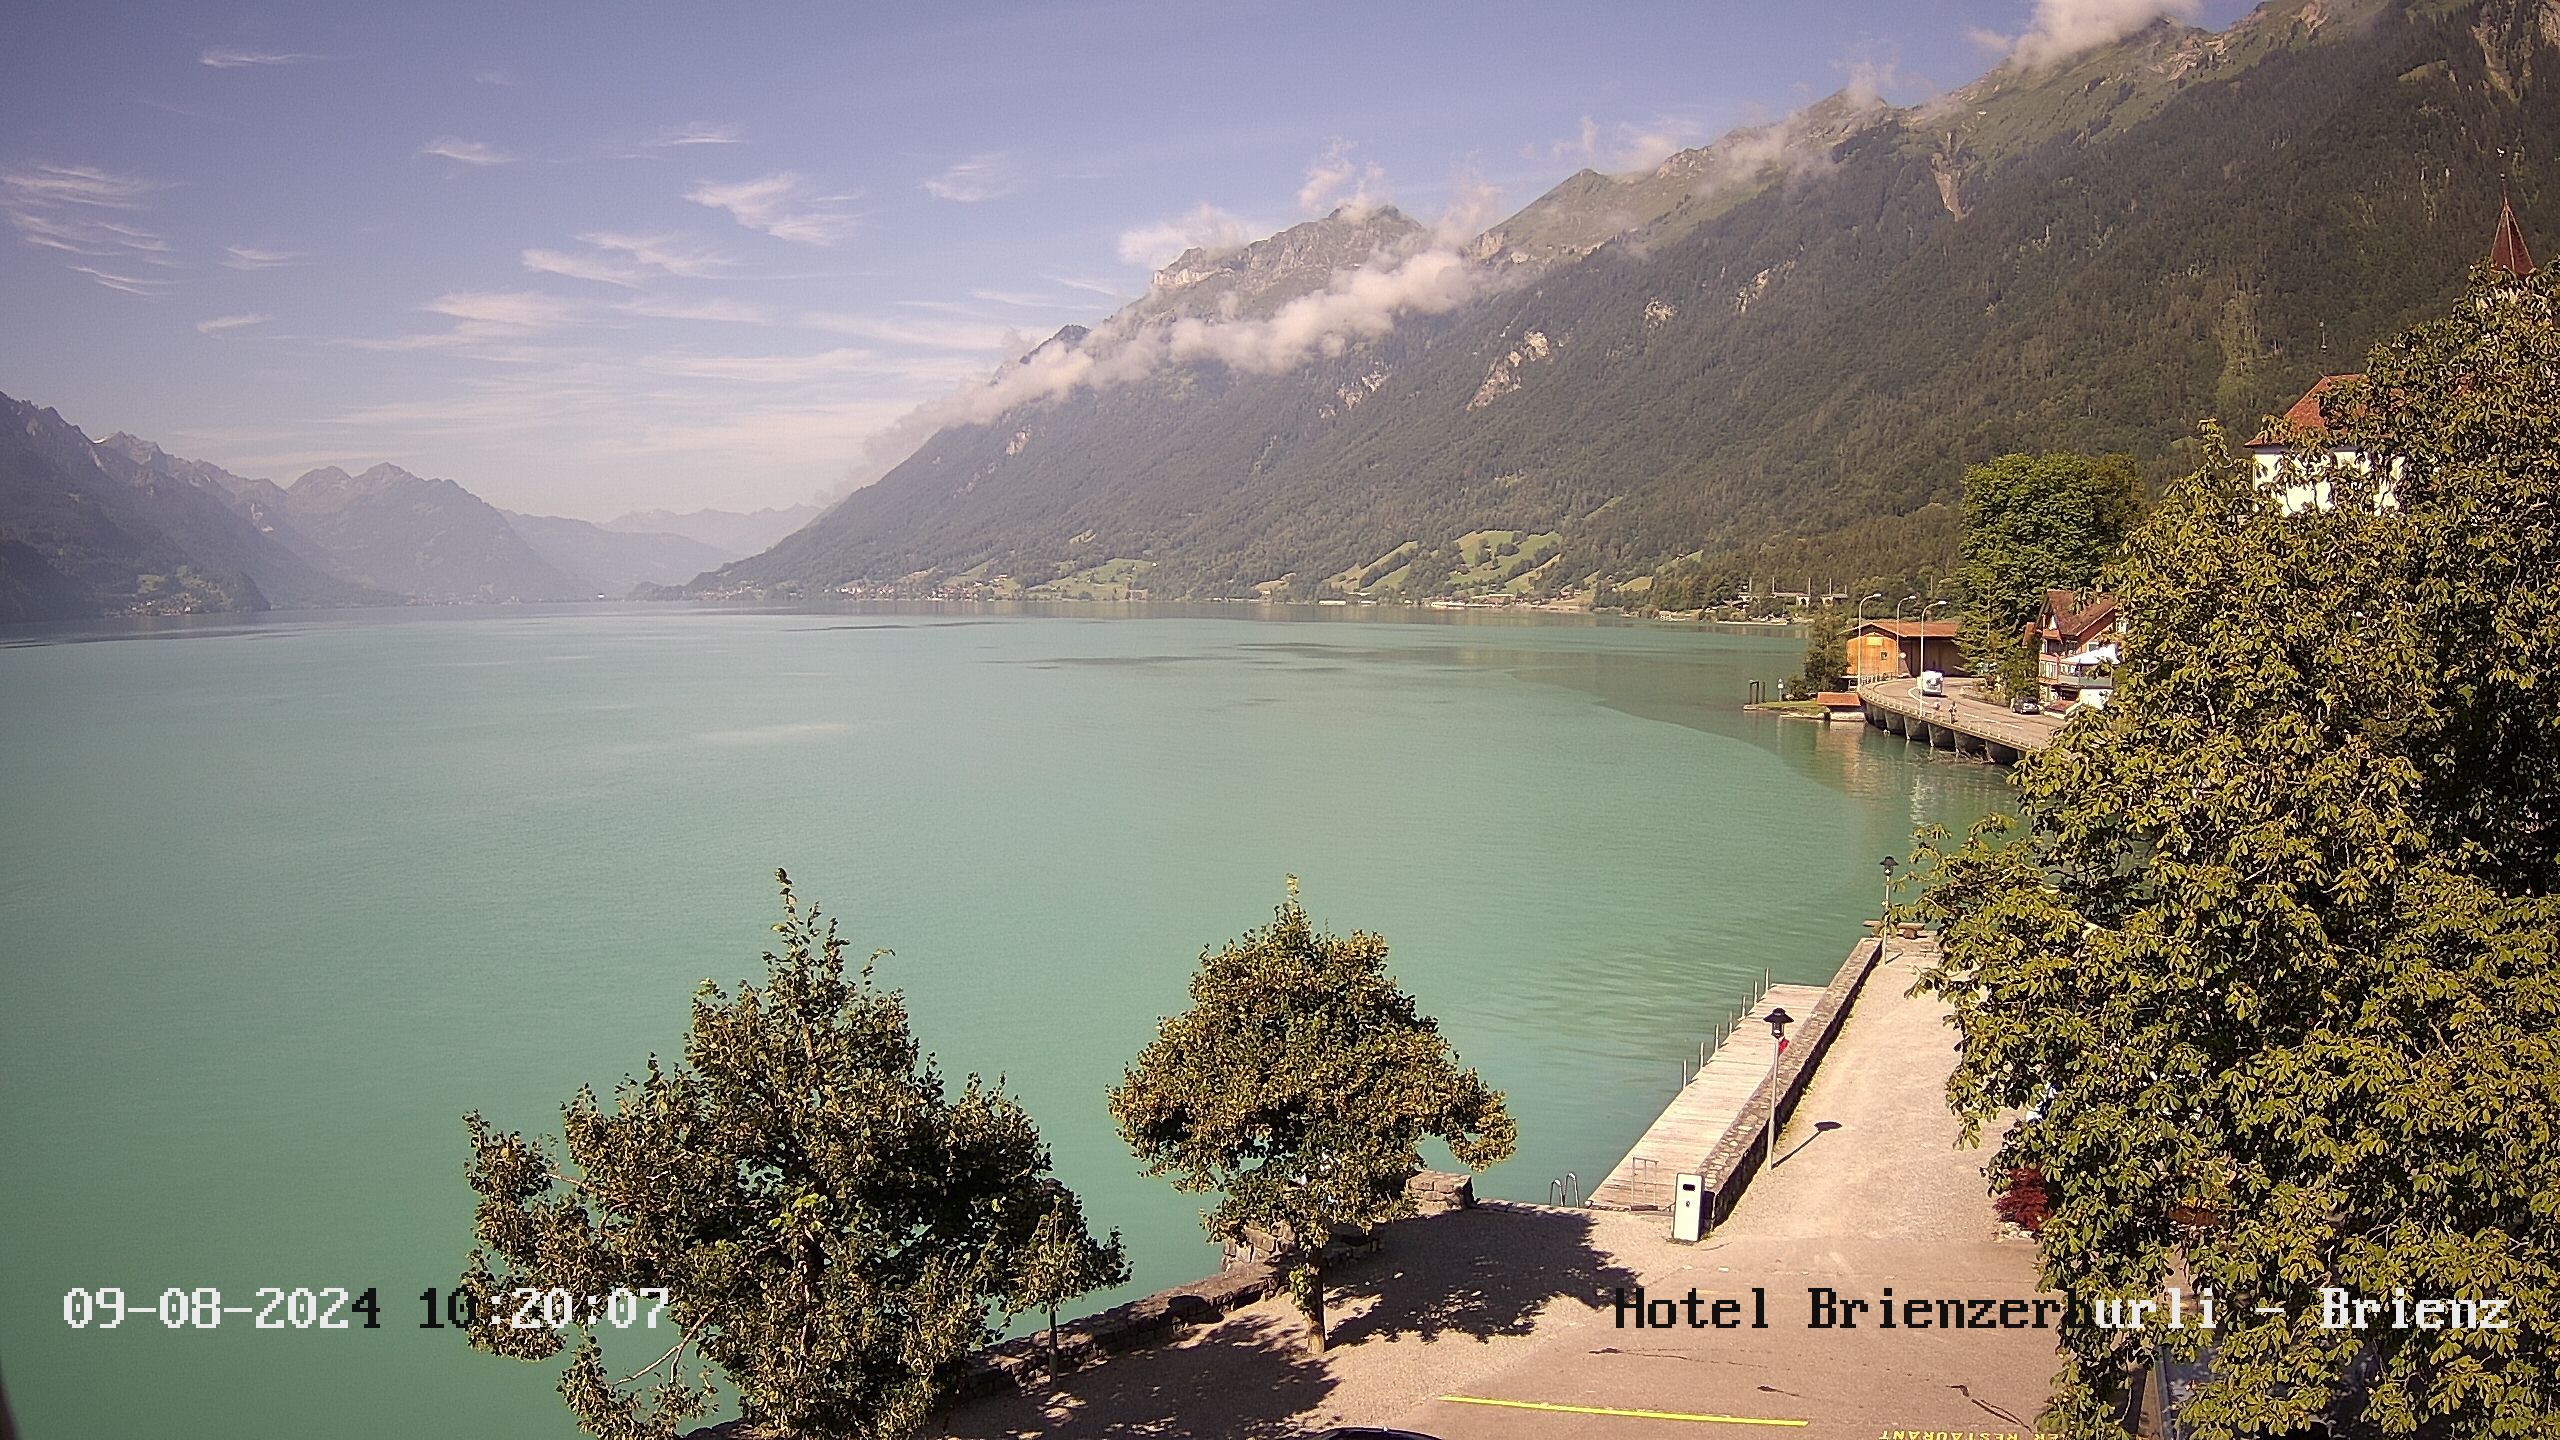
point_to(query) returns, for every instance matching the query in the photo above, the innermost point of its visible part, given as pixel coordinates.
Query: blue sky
(593, 258)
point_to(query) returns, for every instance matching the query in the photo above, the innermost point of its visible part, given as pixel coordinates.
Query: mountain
(726, 530)
(1778, 352)
(430, 539)
(298, 573)
(87, 529)
(612, 562)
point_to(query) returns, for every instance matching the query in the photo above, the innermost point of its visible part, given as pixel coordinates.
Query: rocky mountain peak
(1258, 278)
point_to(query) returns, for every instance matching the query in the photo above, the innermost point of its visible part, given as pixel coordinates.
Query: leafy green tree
(830, 1228)
(2279, 947)
(1298, 1085)
(2034, 523)
(1061, 1261)
(1826, 653)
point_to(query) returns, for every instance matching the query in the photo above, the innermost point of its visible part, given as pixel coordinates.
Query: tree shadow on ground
(1482, 1273)
(1247, 1377)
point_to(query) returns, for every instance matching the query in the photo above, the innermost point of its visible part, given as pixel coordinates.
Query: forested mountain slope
(1779, 352)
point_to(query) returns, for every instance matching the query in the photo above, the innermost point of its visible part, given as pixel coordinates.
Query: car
(2026, 705)
(1933, 683)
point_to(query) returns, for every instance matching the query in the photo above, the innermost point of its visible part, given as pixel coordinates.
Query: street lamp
(1897, 627)
(1923, 617)
(1779, 1020)
(1884, 927)
(1861, 625)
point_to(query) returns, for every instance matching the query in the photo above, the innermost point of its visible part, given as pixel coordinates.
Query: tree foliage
(1061, 1261)
(830, 1226)
(1298, 1086)
(2279, 947)
(2034, 523)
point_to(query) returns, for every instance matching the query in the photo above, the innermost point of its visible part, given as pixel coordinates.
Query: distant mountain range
(1776, 353)
(738, 534)
(120, 526)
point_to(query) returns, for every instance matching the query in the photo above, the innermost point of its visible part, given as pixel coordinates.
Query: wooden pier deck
(1705, 1108)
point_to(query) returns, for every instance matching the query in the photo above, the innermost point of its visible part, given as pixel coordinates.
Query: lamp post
(1861, 625)
(1779, 1020)
(1923, 617)
(1897, 627)
(1884, 924)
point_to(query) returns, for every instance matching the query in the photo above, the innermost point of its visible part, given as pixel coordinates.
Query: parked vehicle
(2026, 705)
(1933, 683)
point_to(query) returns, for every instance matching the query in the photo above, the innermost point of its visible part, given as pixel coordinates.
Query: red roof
(2506, 249)
(2304, 416)
(2072, 617)
(1838, 699)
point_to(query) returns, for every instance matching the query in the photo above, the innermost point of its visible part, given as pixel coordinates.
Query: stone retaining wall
(1737, 1157)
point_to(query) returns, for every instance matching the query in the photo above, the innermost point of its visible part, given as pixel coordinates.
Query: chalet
(2075, 645)
(2281, 473)
(1880, 649)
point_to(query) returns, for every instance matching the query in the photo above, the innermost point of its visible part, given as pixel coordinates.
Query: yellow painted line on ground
(1623, 1414)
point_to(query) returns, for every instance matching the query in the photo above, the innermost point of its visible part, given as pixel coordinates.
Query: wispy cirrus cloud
(980, 177)
(782, 205)
(698, 132)
(1203, 225)
(502, 312)
(958, 334)
(226, 57)
(89, 213)
(721, 311)
(220, 323)
(474, 153)
(631, 261)
(258, 257)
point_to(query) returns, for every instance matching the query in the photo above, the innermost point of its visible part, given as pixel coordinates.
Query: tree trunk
(1315, 1311)
(1053, 1344)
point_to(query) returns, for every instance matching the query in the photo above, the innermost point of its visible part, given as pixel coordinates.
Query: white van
(1933, 683)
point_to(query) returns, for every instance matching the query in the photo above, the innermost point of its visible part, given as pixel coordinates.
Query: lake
(281, 899)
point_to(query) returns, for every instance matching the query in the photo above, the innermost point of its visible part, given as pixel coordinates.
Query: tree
(2279, 945)
(829, 1227)
(1826, 652)
(1298, 1085)
(2034, 523)
(1061, 1261)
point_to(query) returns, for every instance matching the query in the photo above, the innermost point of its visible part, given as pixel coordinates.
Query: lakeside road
(1517, 1304)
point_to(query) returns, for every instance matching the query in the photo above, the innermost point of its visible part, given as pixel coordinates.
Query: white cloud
(980, 177)
(492, 77)
(493, 311)
(698, 132)
(2061, 29)
(253, 257)
(467, 152)
(1203, 225)
(1624, 147)
(1335, 180)
(631, 261)
(88, 213)
(732, 312)
(782, 206)
(228, 58)
(146, 286)
(220, 323)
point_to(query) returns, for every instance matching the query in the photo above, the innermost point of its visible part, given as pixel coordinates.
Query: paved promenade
(1516, 1303)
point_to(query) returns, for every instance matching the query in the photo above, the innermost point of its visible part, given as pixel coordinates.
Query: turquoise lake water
(279, 901)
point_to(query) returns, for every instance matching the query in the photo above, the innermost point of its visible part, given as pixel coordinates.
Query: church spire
(2506, 251)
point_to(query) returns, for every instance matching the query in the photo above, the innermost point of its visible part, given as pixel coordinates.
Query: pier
(1955, 721)
(1729, 1090)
